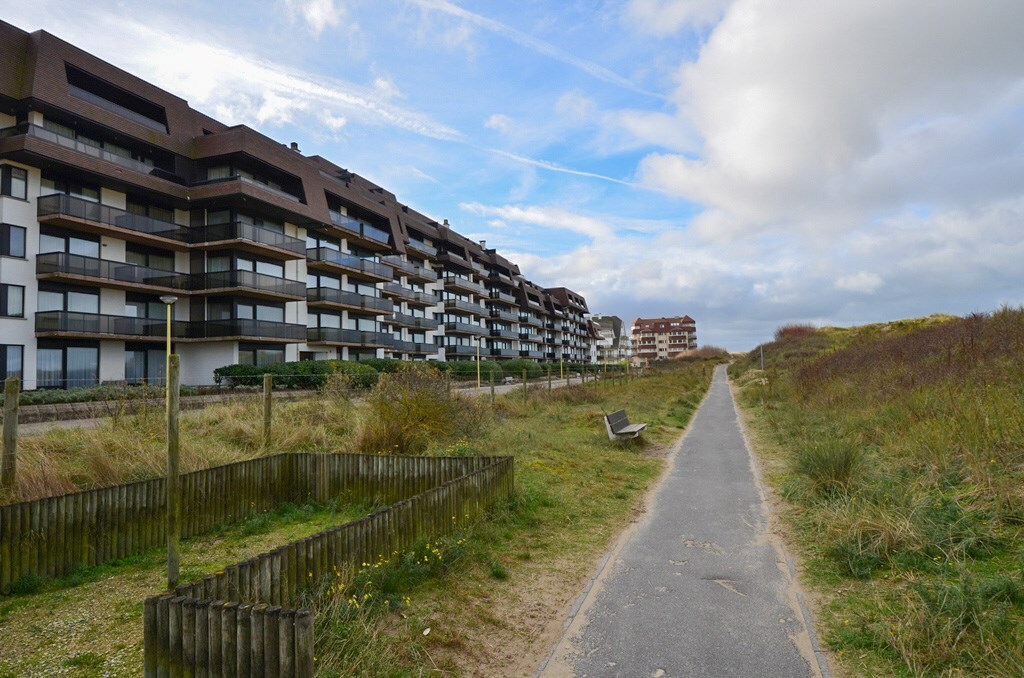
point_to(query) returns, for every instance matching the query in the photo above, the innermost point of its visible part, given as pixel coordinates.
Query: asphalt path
(700, 587)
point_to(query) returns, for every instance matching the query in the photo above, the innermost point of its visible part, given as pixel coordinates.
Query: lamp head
(168, 299)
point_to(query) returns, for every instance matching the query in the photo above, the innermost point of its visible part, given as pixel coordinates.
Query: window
(12, 241)
(260, 355)
(152, 258)
(141, 306)
(76, 299)
(11, 361)
(63, 365)
(14, 181)
(58, 240)
(12, 301)
(54, 184)
(142, 208)
(144, 364)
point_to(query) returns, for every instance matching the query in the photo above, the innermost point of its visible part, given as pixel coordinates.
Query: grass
(89, 623)
(486, 602)
(899, 452)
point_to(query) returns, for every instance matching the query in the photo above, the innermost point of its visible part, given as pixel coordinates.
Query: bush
(383, 365)
(412, 408)
(794, 331)
(514, 368)
(704, 353)
(304, 374)
(87, 394)
(466, 369)
(830, 464)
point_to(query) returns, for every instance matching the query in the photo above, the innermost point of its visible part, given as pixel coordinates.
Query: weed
(27, 585)
(498, 571)
(86, 660)
(831, 464)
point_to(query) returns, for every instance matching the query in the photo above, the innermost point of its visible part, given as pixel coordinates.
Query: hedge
(87, 394)
(305, 374)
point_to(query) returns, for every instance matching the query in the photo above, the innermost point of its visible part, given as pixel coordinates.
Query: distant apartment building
(613, 343)
(115, 193)
(663, 338)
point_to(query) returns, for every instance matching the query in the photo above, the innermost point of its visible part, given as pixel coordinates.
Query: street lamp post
(172, 502)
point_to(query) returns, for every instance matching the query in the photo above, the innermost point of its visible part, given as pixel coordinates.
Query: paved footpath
(699, 588)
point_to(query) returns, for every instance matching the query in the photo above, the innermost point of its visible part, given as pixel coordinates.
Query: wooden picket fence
(237, 622)
(54, 536)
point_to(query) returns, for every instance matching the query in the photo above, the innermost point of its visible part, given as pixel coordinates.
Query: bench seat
(618, 426)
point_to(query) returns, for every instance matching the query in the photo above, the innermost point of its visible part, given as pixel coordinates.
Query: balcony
(423, 299)
(332, 298)
(530, 320)
(464, 328)
(421, 249)
(412, 271)
(344, 337)
(83, 215)
(413, 347)
(463, 350)
(529, 353)
(367, 234)
(464, 306)
(504, 352)
(252, 330)
(353, 267)
(398, 291)
(453, 259)
(413, 322)
(457, 283)
(504, 315)
(530, 336)
(504, 334)
(496, 276)
(501, 297)
(248, 237)
(95, 325)
(116, 274)
(248, 283)
(244, 181)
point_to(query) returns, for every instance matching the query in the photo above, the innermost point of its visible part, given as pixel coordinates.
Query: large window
(12, 301)
(58, 240)
(146, 209)
(229, 262)
(64, 365)
(12, 241)
(142, 306)
(244, 309)
(53, 184)
(66, 298)
(11, 361)
(146, 256)
(260, 354)
(13, 182)
(144, 364)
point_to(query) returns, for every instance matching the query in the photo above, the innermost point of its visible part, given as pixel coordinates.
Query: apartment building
(115, 194)
(613, 343)
(662, 338)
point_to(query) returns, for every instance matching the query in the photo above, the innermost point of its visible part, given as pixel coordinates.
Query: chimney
(295, 146)
(483, 244)
(446, 223)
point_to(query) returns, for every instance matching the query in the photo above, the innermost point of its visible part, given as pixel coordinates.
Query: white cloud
(333, 122)
(548, 217)
(318, 14)
(863, 282)
(387, 88)
(665, 17)
(499, 122)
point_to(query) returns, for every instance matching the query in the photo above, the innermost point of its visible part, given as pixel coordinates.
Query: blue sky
(747, 162)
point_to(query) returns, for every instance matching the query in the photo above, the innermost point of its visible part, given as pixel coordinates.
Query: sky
(750, 163)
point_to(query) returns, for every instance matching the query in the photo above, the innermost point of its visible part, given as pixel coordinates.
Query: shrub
(514, 368)
(413, 407)
(830, 464)
(466, 369)
(304, 374)
(384, 365)
(704, 353)
(794, 331)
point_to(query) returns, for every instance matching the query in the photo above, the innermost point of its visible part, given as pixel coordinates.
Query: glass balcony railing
(465, 306)
(340, 335)
(464, 328)
(240, 327)
(359, 228)
(249, 232)
(73, 322)
(329, 295)
(422, 248)
(249, 280)
(504, 334)
(455, 282)
(65, 205)
(249, 181)
(347, 261)
(62, 263)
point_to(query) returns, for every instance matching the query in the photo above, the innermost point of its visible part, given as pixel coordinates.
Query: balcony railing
(465, 306)
(347, 261)
(247, 280)
(410, 269)
(530, 336)
(501, 296)
(464, 328)
(57, 263)
(504, 315)
(240, 327)
(328, 295)
(505, 352)
(338, 335)
(463, 349)
(247, 232)
(65, 205)
(422, 247)
(358, 228)
(527, 353)
(504, 334)
(452, 282)
(424, 298)
(398, 290)
(530, 320)
(248, 181)
(50, 136)
(73, 322)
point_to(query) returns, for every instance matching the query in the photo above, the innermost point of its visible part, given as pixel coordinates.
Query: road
(700, 587)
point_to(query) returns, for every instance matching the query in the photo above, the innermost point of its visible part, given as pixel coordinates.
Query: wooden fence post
(9, 463)
(526, 387)
(268, 399)
(492, 387)
(173, 494)
(549, 377)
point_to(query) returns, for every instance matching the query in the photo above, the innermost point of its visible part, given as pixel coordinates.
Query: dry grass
(918, 521)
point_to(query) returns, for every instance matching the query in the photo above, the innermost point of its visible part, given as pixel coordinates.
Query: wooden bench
(619, 427)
